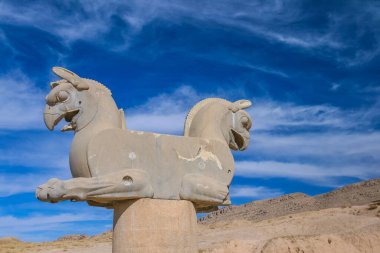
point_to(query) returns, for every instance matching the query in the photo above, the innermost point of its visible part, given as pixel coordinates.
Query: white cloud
(271, 20)
(37, 223)
(318, 144)
(270, 115)
(21, 102)
(38, 151)
(164, 113)
(41, 157)
(314, 144)
(46, 227)
(22, 109)
(335, 86)
(328, 146)
(343, 145)
(167, 112)
(308, 173)
(12, 183)
(259, 192)
(263, 69)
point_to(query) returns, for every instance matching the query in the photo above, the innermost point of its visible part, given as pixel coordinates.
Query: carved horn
(240, 104)
(71, 77)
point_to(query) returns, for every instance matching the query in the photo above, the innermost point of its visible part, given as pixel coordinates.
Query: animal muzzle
(239, 141)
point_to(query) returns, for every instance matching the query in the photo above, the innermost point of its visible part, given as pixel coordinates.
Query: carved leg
(121, 185)
(202, 189)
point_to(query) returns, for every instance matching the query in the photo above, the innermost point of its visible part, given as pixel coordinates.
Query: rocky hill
(351, 195)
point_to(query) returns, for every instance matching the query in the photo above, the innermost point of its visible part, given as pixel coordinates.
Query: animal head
(218, 118)
(240, 126)
(74, 99)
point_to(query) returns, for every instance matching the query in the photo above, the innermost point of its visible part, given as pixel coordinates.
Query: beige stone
(154, 226)
(155, 182)
(111, 163)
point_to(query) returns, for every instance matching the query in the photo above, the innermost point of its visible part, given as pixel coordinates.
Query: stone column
(154, 226)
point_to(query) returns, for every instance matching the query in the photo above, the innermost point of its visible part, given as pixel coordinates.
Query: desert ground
(291, 223)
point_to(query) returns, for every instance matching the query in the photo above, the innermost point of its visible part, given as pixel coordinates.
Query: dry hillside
(355, 194)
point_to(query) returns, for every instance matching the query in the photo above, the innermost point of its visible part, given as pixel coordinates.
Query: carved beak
(52, 116)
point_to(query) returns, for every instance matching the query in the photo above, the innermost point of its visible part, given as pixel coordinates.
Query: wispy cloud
(271, 115)
(22, 103)
(264, 69)
(334, 146)
(259, 192)
(41, 227)
(12, 183)
(164, 113)
(40, 151)
(323, 175)
(338, 148)
(275, 21)
(319, 144)
(268, 115)
(37, 222)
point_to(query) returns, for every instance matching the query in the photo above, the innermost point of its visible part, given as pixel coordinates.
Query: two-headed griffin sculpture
(111, 163)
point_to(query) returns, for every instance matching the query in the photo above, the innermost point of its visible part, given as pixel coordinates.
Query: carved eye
(246, 122)
(62, 96)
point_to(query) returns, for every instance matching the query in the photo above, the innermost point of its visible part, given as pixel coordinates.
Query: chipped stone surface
(205, 156)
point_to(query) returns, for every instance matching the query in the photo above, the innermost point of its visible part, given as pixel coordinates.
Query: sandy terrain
(348, 230)
(354, 229)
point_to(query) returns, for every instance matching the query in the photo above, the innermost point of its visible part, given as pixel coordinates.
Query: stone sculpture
(111, 164)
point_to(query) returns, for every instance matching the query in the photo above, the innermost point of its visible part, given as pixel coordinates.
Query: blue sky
(311, 69)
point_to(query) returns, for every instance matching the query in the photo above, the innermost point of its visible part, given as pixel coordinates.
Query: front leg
(204, 190)
(121, 185)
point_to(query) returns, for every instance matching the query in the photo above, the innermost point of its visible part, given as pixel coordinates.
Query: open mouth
(70, 115)
(52, 117)
(238, 141)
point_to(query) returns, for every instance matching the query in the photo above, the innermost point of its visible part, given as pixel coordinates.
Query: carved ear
(53, 85)
(242, 104)
(73, 78)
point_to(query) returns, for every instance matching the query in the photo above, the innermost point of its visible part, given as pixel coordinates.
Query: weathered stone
(111, 163)
(154, 225)
(155, 182)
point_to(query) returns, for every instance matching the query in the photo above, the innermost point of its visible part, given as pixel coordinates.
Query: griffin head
(241, 122)
(66, 100)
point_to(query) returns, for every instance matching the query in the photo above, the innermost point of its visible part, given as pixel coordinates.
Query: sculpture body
(110, 163)
(141, 174)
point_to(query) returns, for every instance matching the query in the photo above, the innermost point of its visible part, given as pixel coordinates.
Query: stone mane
(197, 108)
(99, 85)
